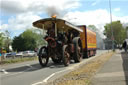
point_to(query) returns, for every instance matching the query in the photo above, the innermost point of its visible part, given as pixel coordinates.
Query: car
(29, 54)
(11, 54)
(19, 54)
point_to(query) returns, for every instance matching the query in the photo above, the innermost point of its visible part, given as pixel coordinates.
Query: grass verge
(83, 74)
(17, 60)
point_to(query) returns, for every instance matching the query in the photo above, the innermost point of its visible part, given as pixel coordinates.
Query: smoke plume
(50, 11)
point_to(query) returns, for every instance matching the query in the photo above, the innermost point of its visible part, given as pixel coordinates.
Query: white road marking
(29, 65)
(4, 71)
(46, 79)
(37, 83)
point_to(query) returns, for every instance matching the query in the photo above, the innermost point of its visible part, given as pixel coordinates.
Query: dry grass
(17, 60)
(82, 75)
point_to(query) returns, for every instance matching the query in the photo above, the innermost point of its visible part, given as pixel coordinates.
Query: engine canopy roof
(61, 24)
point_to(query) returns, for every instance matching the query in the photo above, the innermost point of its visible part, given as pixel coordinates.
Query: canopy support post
(55, 29)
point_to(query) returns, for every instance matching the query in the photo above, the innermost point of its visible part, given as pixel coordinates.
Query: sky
(18, 15)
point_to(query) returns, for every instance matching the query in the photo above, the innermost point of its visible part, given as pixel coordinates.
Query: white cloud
(27, 11)
(89, 17)
(117, 9)
(37, 6)
(95, 17)
(23, 20)
(18, 24)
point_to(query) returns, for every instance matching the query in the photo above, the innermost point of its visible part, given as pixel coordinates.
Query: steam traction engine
(63, 39)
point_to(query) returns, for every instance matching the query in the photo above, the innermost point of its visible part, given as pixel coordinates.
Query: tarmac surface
(31, 73)
(113, 72)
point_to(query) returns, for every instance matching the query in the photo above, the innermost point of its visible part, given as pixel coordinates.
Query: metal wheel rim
(43, 59)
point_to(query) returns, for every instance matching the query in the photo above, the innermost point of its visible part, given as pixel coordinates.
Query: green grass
(17, 60)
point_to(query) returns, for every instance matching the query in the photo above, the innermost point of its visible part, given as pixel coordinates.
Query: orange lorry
(88, 39)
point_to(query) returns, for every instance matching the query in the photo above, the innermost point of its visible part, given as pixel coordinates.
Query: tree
(28, 40)
(1, 39)
(127, 28)
(7, 40)
(17, 44)
(119, 33)
(127, 31)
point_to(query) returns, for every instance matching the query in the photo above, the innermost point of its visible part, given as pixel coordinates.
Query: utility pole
(127, 33)
(112, 37)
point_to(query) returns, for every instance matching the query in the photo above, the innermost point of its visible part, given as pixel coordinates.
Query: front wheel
(66, 55)
(43, 56)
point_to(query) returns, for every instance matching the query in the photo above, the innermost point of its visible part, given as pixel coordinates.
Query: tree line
(30, 39)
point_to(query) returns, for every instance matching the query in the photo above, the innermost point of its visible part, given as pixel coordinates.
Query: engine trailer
(65, 41)
(88, 39)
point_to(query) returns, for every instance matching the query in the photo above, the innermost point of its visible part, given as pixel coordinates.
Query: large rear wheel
(66, 55)
(78, 49)
(43, 56)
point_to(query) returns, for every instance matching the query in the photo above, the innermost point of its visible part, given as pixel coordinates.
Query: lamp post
(127, 33)
(111, 26)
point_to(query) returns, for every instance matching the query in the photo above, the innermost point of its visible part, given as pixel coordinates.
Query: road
(31, 73)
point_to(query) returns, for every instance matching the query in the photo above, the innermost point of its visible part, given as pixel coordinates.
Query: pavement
(113, 72)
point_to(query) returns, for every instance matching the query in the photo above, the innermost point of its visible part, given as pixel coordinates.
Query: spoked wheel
(66, 55)
(43, 56)
(78, 50)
